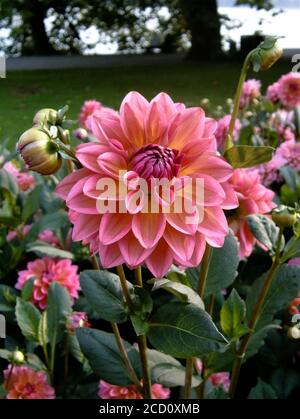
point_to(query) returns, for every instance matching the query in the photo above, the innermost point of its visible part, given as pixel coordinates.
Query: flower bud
(294, 332)
(17, 358)
(81, 134)
(45, 116)
(270, 56)
(284, 216)
(38, 152)
(205, 102)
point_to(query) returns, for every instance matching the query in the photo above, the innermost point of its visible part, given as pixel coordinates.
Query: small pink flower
(24, 180)
(220, 379)
(91, 108)
(110, 391)
(45, 271)
(289, 152)
(49, 237)
(222, 130)
(273, 92)
(76, 320)
(254, 198)
(146, 142)
(289, 90)
(250, 91)
(217, 379)
(88, 108)
(22, 382)
(294, 261)
(21, 232)
(269, 172)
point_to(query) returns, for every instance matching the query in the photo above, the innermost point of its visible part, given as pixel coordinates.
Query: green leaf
(8, 182)
(104, 293)
(102, 352)
(184, 331)
(28, 318)
(291, 177)
(182, 292)
(58, 307)
(176, 275)
(8, 297)
(34, 362)
(27, 289)
(284, 288)
(32, 203)
(4, 354)
(292, 249)
(222, 268)
(262, 391)
(284, 380)
(44, 249)
(264, 230)
(242, 156)
(233, 315)
(156, 358)
(171, 375)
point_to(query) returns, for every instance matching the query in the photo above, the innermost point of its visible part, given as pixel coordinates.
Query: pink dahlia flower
(222, 130)
(272, 93)
(289, 90)
(269, 172)
(76, 320)
(89, 108)
(45, 271)
(218, 378)
(24, 180)
(22, 382)
(49, 237)
(133, 222)
(254, 198)
(250, 91)
(110, 391)
(289, 152)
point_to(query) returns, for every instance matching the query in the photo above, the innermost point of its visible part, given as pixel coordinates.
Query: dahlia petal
(179, 221)
(160, 260)
(135, 201)
(209, 164)
(188, 124)
(165, 104)
(112, 163)
(88, 153)
(110, 256)
(231, 200)
(155, 125)
(133, 253)
(148, 228)
(65, 185)
(214, 222)
(113, 227)
(181, 244)
(85, 226)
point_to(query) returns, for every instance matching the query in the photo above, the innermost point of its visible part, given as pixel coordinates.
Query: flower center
(155, 161)
(28, 389)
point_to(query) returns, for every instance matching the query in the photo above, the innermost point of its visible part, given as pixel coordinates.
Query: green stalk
(241, 353)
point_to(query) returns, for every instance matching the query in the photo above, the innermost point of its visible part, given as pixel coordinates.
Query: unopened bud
(284, 216)
(39, 152)
(81, 134)
(17, 358)
(294, 332)
(270, 56)
(44, 117)
(205, 102)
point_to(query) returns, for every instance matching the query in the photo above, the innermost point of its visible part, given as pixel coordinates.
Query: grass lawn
(23, 93)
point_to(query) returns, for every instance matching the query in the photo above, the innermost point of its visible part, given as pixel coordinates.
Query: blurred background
(66, 51)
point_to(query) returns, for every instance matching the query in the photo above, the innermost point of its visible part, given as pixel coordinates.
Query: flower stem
(237, 99)
(124, 286)
(201, 289)
(142, 342)
(124, 355)
(240, 355)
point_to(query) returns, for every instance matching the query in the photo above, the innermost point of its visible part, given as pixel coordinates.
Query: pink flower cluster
(150, 140)
(47, 236)
(289, 90)
(110, 391)
(22, 382)
(24, 180)
(222, 130)
(250, 91)
(254, 198)
(45, 271)
(289, 153)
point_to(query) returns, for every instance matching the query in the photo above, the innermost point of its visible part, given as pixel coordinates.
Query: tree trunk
(35, 22)
(203, 21)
